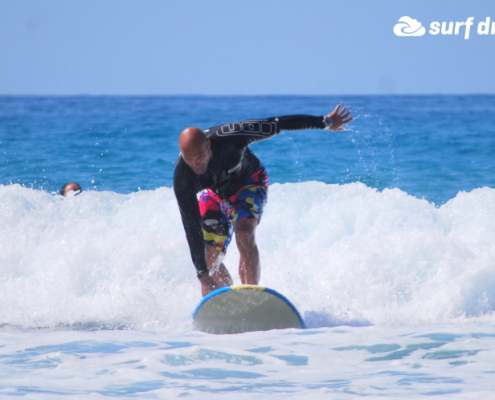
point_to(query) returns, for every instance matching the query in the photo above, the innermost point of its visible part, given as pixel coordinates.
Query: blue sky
(241, 47)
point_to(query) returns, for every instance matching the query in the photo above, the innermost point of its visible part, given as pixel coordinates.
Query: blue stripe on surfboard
(286, 301)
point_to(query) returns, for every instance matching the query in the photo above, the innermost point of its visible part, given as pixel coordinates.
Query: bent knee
(246, 226)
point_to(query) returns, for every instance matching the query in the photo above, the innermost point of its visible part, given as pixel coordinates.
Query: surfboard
(245, 308)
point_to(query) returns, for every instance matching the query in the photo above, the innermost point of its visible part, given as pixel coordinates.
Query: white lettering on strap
(239, 164)
(250, 127)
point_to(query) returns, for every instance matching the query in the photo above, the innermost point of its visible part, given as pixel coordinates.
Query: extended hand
(339, 118)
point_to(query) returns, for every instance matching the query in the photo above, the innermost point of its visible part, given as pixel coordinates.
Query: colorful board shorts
(218, 215)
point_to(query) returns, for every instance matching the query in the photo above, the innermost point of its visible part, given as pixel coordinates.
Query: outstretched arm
(339, 118)
(254, 130)
(333, 121)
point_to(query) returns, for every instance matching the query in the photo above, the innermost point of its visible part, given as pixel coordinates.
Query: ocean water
(383, 236)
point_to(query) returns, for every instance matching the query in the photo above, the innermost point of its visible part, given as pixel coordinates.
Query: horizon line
(237, 95)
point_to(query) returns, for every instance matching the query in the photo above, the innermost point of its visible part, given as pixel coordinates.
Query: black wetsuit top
(230, 166)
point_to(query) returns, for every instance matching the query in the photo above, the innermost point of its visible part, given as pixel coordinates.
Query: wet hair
(77, 188)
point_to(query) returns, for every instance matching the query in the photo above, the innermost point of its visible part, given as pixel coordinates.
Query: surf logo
(409, 27)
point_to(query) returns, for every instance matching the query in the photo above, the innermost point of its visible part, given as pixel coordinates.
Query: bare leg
(249, 262)
(217, 268)
(207, 284)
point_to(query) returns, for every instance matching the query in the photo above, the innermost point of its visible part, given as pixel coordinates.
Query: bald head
(191, 139)
(195, 148)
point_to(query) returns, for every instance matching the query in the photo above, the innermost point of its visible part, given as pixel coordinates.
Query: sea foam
(343, 254)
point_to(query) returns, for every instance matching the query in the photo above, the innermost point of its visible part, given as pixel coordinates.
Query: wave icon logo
(409, 27)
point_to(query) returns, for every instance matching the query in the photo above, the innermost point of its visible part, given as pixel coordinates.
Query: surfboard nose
(245, 308)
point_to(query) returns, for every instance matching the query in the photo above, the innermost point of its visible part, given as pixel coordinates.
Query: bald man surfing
(234, 186)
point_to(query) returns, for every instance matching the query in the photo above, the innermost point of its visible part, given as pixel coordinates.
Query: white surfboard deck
(245, 308)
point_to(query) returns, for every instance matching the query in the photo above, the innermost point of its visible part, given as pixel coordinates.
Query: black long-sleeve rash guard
(231, 165)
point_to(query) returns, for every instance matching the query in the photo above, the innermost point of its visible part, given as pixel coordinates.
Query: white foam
(341, 253)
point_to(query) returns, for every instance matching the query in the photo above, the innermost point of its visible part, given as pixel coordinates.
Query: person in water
(233, 185)
(70, 189)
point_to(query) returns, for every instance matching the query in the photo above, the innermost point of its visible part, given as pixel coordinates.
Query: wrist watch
(327, 121)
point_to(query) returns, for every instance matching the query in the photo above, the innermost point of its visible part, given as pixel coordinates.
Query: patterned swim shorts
(218, 215)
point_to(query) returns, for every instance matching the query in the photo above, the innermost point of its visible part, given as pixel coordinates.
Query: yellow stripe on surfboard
(252, 287)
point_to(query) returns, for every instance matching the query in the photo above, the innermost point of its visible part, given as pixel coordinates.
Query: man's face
(71, 190)
(198, 158)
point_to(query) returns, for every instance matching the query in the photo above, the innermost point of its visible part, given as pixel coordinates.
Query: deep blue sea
(382, 235)
(431, 147)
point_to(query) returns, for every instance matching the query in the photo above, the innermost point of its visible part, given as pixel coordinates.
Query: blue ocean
(382, 236)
